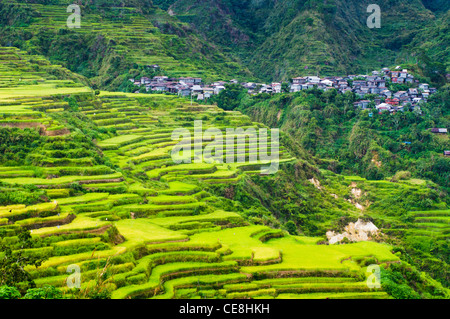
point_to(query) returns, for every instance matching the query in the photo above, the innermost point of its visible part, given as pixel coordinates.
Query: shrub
(7, 292)
(47, 292)
(401, 175)
(291, 228)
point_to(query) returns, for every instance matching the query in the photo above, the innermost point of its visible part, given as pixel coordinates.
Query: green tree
(13, 262)
(230, 98)
(291, 227)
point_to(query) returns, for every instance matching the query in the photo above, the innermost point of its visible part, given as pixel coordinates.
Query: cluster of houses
(361, 85)
(376, 84)
(184, 86)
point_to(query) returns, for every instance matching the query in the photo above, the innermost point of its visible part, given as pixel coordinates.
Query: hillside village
(377, 84)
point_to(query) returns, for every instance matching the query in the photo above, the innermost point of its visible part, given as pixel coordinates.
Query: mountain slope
(115, 41)
(221, 39)
(282, 39)
(104, 192)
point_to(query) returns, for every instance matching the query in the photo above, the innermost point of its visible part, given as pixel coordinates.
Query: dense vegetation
(215, 39)
(109, 57)
(348, 140)
(282, 39)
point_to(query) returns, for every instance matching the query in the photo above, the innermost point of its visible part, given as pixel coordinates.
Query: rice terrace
(109, 191)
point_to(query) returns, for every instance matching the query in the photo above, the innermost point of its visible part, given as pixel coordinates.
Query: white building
(313, 79)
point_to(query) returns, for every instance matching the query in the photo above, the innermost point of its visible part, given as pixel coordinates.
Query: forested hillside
(348, 141)
(117, 40)
(278, 40)
(218, 39)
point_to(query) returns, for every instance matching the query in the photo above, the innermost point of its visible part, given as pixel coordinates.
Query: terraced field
(142, 226)
(435, 224)
(30, 88)
(134, 36)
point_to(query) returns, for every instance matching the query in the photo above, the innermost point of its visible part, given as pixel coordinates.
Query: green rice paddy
(152, 222)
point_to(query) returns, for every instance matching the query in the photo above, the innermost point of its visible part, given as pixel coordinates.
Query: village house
(363, 104)
(328, 88)
(383, 107)
(145, 80)
(381, 83)
(295, 87)
(308, 85)
(218, 89)
(393, 101)
(342, 84)
(313, 79)
(276, 87)
(398, 108)
(446, 153)
(299, 80)
(219, 83)
(345, 90)
(413, 92)
(423, 86)
(321, 86)
(386, 93)
(250, 85)
(365, 90)
(327, 82)
(359, 83)
(208, 92)
(173, 88)
(439, 130)
(266, 89)
(160, 87)
(416, 100)
(161, 78)
(196, 89)
(184, 90)
(401, 95)
(190, 80)
(375, 90)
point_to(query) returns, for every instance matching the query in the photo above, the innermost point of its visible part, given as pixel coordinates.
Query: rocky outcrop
(354, 232)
